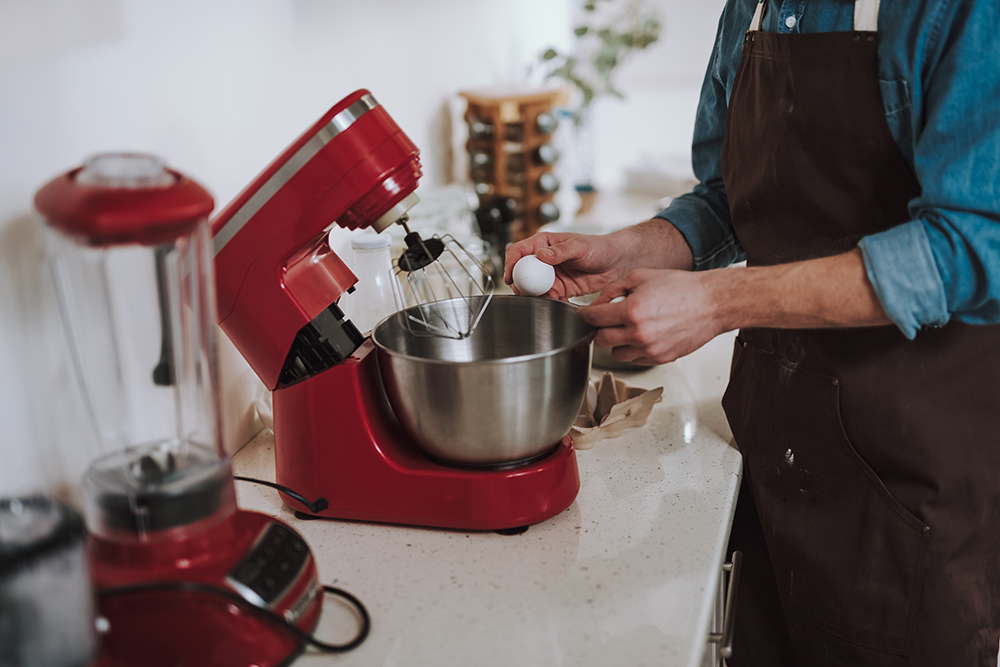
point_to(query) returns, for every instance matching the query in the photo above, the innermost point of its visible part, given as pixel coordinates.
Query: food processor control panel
(271, 568)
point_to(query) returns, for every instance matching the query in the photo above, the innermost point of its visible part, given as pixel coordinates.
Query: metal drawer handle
(725, 638)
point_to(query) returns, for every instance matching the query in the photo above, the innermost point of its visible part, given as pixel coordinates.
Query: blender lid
(122, 198)
(140, 490)
(32, 528)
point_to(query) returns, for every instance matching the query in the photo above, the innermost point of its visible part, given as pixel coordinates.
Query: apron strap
(865, 16)
(758, 15)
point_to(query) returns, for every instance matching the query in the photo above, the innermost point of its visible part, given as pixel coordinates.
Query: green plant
(609, 35)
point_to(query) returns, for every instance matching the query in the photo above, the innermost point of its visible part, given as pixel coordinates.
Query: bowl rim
(588, 337)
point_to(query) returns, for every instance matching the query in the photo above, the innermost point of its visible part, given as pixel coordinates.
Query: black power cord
(314, 507)
(275, 619)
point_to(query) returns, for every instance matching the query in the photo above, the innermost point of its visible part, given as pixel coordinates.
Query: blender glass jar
(131, 258)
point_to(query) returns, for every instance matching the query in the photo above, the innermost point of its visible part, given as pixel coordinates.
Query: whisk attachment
(444, 287)
(419, 252)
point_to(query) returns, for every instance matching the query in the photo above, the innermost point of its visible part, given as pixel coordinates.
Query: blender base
(336, 438)
(157, 616)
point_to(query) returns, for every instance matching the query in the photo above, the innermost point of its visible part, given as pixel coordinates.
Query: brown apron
(869, 517)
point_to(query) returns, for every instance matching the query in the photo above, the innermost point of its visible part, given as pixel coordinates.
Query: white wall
(654, 124)
(218, 87)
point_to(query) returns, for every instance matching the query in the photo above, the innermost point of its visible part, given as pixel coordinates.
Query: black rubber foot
(513, 531)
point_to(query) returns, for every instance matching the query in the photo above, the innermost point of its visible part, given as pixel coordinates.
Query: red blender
(336, 436)
(183, 576)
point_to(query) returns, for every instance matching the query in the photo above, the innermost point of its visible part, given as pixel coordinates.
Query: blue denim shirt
(939, 74)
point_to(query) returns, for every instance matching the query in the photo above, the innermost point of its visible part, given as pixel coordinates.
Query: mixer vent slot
(319, 345)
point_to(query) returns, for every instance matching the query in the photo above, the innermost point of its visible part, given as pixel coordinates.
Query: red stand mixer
(183, 576)
(336, 436)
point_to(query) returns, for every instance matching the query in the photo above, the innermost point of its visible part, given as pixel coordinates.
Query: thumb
(616, 291)
(564, 251)
(547, 255)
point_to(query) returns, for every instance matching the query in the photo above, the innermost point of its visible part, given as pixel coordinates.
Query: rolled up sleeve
(945, 263)
(901, 268)
(707, 230)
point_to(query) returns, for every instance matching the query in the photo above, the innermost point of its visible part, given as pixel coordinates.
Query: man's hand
(667, 314)
(670, 311)
(585, 264)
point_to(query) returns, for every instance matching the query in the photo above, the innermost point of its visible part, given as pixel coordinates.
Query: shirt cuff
(712, 242)
(901, 267)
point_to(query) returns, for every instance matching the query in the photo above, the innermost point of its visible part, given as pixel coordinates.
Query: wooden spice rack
(508, 128)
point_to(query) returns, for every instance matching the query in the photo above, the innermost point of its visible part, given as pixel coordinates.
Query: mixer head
(277, 279)
(440, 269)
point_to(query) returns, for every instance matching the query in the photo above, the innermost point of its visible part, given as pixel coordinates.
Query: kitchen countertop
(626, 576)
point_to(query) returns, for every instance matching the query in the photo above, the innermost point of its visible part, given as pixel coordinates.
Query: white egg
(532, 276)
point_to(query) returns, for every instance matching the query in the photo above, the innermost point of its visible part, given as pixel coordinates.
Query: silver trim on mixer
(337, 124)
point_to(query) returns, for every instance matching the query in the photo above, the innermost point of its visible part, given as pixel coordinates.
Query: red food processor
(336, 436)
(182, 575)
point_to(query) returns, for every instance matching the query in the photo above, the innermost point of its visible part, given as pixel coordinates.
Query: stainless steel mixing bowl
(508, 392)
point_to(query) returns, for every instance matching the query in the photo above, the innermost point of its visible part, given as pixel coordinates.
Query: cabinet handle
(725, 638)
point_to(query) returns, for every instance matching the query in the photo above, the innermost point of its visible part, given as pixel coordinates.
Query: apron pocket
(846, 555)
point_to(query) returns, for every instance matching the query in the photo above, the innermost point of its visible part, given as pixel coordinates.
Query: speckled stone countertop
(626, 576)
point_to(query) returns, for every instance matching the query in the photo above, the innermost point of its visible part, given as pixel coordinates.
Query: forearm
(820, 293)
(654, 244)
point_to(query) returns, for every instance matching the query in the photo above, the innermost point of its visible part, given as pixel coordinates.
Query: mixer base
(336, 438)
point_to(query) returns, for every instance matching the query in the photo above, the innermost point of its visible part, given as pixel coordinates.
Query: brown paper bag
(618, 406)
